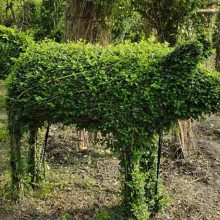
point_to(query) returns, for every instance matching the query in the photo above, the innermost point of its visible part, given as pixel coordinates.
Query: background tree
(51, 22)
(86, 20)
(217, 43)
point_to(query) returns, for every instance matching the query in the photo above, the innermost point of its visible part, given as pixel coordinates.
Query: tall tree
(167, 16)
(86, 20)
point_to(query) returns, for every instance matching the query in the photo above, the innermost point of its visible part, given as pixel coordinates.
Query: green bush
(133, 91)
(131, 82)
(12, 44)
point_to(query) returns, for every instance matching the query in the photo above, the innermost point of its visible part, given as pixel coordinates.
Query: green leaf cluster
(12, 44)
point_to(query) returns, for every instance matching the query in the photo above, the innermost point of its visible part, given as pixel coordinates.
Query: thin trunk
(160, 142)
(44, 149)
(13, 13)
(6, 10)
(15, 160)
(217, 60)
(41, 163)
(32, 155)
(126, 160)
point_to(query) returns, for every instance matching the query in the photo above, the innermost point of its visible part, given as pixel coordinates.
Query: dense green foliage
(133, 91)
(12, 43)
(51, 20)
(170, 17)
(40, 18)
(23, 14)
(94, 74)
(107, 70)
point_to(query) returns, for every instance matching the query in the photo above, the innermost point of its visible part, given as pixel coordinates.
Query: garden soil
(86, 182)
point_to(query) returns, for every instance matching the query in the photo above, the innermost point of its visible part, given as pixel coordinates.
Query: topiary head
(187, 89)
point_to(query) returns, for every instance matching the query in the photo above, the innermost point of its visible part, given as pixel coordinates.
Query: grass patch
(3, 132)
(108, 215)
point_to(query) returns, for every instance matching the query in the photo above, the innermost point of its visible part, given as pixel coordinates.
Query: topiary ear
(185, 57)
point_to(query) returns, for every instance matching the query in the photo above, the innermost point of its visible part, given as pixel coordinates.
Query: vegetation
(99, 88)
(131, 92)
(12, 43)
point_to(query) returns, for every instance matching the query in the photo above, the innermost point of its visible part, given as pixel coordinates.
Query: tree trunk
(183, 139)
(32, 155)
(85, 20)
(15, 160)
(217, 60)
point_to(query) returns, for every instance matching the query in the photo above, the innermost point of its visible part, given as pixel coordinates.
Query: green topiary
(133, 91)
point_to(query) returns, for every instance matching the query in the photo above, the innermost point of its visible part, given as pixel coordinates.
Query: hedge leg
(139, 167)
(15, 160)
(135, 203)
(149, 167)
(127, 190)
(32, 155)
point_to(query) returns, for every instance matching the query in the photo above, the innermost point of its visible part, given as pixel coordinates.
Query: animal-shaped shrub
(12, 43)
(133, 91)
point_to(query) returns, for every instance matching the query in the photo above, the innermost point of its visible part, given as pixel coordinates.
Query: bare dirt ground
(82, 183)
(194, 183)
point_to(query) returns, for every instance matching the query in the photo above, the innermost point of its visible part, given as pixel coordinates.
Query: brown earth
(194, 183)
(82, 183)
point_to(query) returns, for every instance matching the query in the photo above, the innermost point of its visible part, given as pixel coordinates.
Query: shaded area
(88, 184)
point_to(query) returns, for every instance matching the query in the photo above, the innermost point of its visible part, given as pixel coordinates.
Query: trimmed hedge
(134, 91)
(12, 44)
(142, 82)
